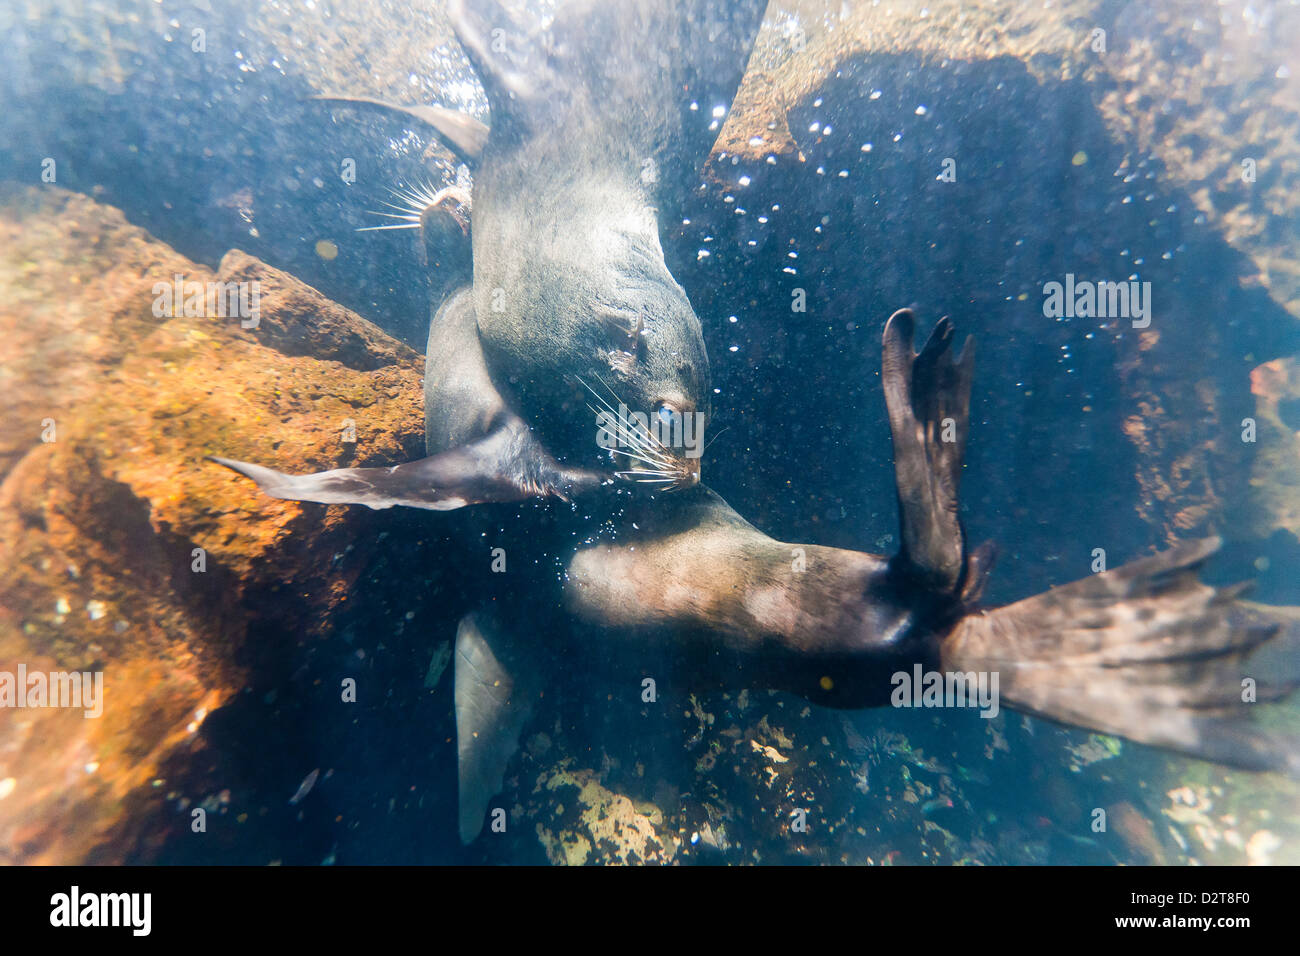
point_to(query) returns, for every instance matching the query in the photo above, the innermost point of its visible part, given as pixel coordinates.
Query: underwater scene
(650, 432)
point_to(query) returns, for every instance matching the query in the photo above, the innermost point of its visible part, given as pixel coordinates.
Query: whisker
(413, 200)
(649, 453)
(714, 438)
(633, 440)
(405, 210)
(643, 430)
(596, 395)
(664, 466)
(639, 440)
(654, 465)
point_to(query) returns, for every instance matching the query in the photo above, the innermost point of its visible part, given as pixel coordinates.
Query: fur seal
(1144, 651)
(570, 280)
(595, 130)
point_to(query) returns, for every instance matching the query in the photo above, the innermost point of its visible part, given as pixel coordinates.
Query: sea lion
(618, 96)
(1143, 651)
(595, 132)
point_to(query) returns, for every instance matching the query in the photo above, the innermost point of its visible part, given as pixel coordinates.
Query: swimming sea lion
(570, 285)
(599, 125)
(593, 136)
(1143, 651)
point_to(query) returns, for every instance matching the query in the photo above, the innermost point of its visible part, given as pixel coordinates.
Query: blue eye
(667, 415)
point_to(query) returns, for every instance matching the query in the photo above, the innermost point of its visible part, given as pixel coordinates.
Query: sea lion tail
(1145, 651)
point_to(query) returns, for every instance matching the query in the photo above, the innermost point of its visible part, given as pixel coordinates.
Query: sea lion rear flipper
(1145, 651)
(506, 465)
(663, 69)
(492, 705)
(459, 131)
(928, 397)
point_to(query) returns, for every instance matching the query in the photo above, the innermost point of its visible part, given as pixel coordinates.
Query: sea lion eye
(668, 415)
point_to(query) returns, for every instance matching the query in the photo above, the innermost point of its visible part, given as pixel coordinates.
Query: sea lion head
(588, 333)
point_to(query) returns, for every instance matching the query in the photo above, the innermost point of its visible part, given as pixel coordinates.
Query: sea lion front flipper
(459, 131)
(492, 706)
(928, 397)
(506, 465)
(1145, 651)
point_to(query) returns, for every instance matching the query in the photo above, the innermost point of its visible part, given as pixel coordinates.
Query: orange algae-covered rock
(122, 550)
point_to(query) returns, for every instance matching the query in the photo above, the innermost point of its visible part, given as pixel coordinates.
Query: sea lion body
(692, 573)
(592, 139)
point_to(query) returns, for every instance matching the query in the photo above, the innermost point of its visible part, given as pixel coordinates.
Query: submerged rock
(1275, 473)
(124, 550)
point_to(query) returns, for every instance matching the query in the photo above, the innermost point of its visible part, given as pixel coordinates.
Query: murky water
(278, 676)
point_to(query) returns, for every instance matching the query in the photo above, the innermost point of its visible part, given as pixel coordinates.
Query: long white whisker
(639, 439)
(659, 466)
(645, 453)
(642, 445)
(629, 437)
(406, 209)
(596, 395)
(642, 430)
(413, 200)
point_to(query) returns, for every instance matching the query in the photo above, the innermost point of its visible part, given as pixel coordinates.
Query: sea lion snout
(693, 476)
(663, 448)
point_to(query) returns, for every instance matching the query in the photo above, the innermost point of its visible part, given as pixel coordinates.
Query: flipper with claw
(928, 396)
(506, 465)
(1145, 651)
